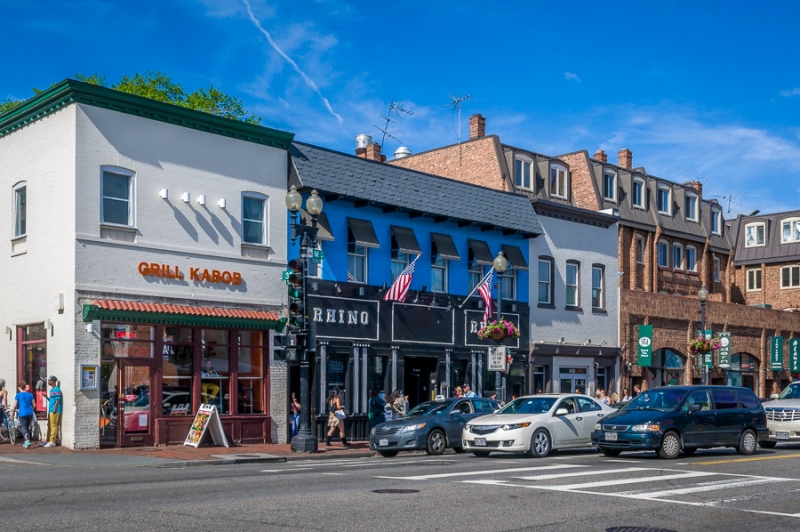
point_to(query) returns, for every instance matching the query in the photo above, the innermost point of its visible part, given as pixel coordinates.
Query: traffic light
(285, 347)
(296, 281)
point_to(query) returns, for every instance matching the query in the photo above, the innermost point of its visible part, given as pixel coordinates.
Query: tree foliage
(159, 86)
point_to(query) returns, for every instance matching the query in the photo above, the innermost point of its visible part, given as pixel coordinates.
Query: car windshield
(658, 399)
(428, 409)
(528, 405)
(791, 392)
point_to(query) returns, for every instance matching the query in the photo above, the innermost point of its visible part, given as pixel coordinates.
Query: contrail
(308, 80)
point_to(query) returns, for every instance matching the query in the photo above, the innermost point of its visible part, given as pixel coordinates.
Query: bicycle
(8, 429)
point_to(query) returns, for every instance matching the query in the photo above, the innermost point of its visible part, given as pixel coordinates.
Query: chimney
(601, 156)
(698, 186)
(372, 152)
(477, 126)
(625, 158)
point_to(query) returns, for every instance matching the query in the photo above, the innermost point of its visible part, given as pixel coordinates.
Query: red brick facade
(770, 292)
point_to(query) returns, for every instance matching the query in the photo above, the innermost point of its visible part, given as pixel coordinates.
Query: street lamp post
(500, 264)
(305, 441)
(702, 296)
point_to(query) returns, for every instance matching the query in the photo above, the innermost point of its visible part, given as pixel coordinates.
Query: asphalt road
(568, 491)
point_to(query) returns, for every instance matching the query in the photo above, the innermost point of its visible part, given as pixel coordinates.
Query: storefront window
(250, 388)
(215, 369)
(376, 372)
(743, 371)
(32, 357)
(539, 375)
(122, 340)
(337, 364)
(667, 370)
(177, 371)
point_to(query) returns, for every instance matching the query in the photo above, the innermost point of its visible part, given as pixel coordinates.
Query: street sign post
(645, 350)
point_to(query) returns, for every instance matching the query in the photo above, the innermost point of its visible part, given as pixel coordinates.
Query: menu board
(206, 420)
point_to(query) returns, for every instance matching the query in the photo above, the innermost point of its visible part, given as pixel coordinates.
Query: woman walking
(24, 403)
(334, 406)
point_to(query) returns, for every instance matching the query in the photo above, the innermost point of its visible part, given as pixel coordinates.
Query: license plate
(611, 436)
(782, 435)
(383, 443)
(480, 442)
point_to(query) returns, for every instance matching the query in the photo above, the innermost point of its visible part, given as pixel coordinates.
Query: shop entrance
(135, 403)
(417, 376)
(572, 380)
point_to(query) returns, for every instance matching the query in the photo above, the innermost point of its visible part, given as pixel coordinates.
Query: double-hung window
(438, 270)
(717, 269)
(790, 277)
(508, 282)
(598, 287)
(640, 248)
(754, 280)
(663, 200)
(558, 181)
(716, 222)
(609, 186)
(572, 283)
(690, 206)
(400, 259)
(754, 235)
(663, 254)
(20, 209)
(117, 192)
(254, 219)
(637, 194)
(356, 260)
(691, 258)
(545, 281)
(523, 173)
(790, 230)
(677, 256)
(474, 272)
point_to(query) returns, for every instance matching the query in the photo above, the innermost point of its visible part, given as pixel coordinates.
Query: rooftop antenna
(397, 109)
(454, 106)
(730, 199)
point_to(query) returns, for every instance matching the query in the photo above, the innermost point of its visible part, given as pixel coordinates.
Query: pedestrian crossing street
(769, 495)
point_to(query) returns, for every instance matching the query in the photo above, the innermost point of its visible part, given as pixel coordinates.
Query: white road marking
(618, 482)
(586, 473)
(473, 473)
(700, 488)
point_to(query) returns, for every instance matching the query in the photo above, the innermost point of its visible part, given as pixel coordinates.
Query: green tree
(159, 86)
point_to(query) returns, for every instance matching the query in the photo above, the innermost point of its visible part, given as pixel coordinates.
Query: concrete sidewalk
(173, 455)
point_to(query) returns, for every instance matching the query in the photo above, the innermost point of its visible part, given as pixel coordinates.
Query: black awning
(406, 240)
(515, 257)
(323, 226)
(363, 233)
(481, 252)
(445, 246)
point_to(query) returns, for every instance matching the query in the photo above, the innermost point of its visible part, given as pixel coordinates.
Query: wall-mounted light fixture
(201, 199)
(9, 330)
(337, 288)
(163, 193)
(185, 197)
(48, 325)
(90, 327)
(222, 203)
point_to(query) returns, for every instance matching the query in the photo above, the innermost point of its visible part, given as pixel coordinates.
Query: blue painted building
(378, 218)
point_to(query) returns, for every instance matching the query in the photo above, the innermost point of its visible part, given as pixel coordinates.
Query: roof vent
(363, 140)
(401, 152)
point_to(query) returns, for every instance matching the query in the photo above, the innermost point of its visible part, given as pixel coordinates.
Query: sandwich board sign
(206, 420)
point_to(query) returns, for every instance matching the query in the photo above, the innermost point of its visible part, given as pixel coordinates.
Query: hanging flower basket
(701, 346)
(498, 330)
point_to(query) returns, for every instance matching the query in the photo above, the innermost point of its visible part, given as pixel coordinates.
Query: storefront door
(135, 411)
(572, 380)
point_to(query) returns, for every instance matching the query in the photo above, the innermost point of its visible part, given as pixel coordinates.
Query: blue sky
(697, 90)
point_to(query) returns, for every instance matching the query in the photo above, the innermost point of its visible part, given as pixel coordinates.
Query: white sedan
(535, 425)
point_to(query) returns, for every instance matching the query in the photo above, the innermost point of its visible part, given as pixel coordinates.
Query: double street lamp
(702, 296)
(305, 441)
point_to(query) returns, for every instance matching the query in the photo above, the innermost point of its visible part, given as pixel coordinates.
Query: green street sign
(645, 349)
(318, 254)
(724, 351)
(285, 276)
(776, 353)
(794, 355)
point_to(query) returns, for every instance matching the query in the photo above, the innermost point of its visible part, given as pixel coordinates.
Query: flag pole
(477, 286)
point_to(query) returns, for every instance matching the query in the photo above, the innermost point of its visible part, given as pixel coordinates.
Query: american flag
(399, 288)
(485, 290)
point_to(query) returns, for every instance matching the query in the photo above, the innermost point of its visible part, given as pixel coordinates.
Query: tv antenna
(455, 106)
(397, 109)
(730, 199)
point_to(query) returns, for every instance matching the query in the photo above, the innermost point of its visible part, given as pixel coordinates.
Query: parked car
(535, 425)
(783, 417)
(433, 426)
(687, 418)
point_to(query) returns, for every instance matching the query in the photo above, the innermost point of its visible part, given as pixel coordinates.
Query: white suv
(783, 417)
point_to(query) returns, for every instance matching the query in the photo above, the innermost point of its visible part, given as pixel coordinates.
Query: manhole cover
(382, 492)
(637, 529)
(148, 450)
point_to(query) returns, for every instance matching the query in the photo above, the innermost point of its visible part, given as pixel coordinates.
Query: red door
(135, 412)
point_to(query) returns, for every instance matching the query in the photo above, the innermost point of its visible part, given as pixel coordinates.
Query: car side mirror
(695, 408)
(562, 412)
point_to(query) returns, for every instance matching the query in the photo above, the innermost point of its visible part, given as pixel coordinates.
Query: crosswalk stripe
(474, 473)
(607, 483)
(586, 473)
(700, 488)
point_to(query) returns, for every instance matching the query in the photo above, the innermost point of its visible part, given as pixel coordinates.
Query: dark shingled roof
(381, 184)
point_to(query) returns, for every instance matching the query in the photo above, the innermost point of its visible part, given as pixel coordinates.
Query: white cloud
(573, 77)
(789, 93)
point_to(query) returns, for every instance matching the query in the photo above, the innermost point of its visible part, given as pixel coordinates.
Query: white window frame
(790, 268)
(363, 257)
(520, 163)
(131, 176)
(441, 266)
(475, 271)
(677, 248)
(716, 222)
(264, 218)
(508, 288)
(610, 186)
(667, 207)
(549, 282)
(17, 218)
(691, 266)
(717, 273)
(794, 230)
(576, 284)
(600, 288)
(560, 177)
(691, 210)
(641, 248)
(638, 183)
(752, 230)
(666, 254)
(754, 280)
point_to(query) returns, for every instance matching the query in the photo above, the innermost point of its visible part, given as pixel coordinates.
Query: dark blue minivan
(684, 418)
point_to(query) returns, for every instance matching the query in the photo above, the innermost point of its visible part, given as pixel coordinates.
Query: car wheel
(436, 442)
(540, 444)
(670, 446)
(767, 444)
(747, 442)
(689, 451)
(481, 454)
(610, 452)
(388, 454)
(459, 450)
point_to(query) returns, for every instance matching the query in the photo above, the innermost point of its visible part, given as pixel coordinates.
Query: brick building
(671, 242)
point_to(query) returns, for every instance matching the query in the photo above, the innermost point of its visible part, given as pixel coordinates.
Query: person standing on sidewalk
(334, 422)
(23, 405)
(54, 409)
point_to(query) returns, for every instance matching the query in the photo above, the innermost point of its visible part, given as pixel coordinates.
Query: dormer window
(558, 182)
(609, 186)
(690, 205)
(663, 200)
(716, 222)
(522, 173)
(637, 194)
(790, 230)
(754, 235)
